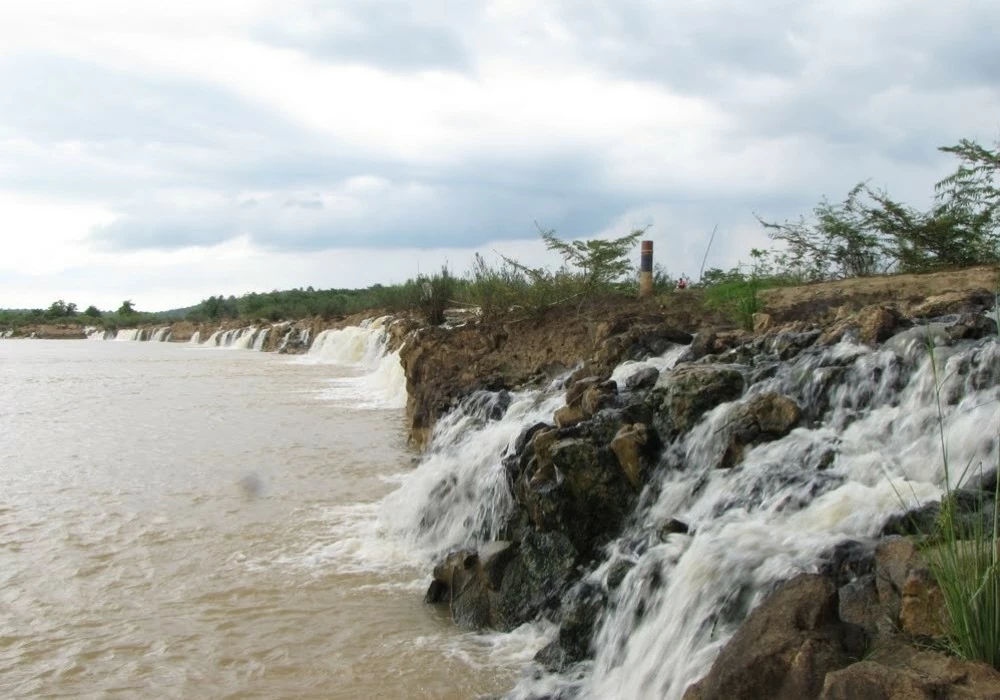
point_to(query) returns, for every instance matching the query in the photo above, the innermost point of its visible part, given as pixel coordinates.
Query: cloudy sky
(164, 151)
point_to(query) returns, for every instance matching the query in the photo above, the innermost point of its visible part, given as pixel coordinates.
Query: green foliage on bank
(61, 312)
(591, 268)
(870, 233)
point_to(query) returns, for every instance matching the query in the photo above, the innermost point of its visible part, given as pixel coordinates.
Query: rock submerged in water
(504, 584)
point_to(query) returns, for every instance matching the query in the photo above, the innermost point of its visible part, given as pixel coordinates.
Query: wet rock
(566, 416)
(504, 584)
(763, 418)
(584, 399)
(785, 345)
(920, 520)
(971, 327)
(688, 392)
(536, 578)
(573, 486)
(618, 573)
(673, 527)
(580, 611)
(859, 604)
(468, 582)
(895, 557)
(643, 379)
(634, 446)
(785, 647)
(601, 428)
(713, 343)
(704, 343)
(487, 405)
(597, 397)
(848, 561)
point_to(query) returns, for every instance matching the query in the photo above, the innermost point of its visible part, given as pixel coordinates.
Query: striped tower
(646, 270)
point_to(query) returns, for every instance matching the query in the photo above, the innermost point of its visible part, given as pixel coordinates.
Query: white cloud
(232, 144)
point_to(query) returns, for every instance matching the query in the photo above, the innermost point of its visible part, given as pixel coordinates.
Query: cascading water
(131, 334)
(94, 333)
(459, 495)
(195, 338)
(870, 448)
(380, 382)
(258, 343)
(161, 335)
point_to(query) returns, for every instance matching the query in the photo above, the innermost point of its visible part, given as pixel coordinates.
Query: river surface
(184, 522)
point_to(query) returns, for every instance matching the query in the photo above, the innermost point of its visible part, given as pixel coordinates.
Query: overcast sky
(167, 151)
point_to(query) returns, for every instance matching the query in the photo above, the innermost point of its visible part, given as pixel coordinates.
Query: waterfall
(161, 335)
(94, 333)
(258, 343)
(459, 495)
(869, 448)
(195, 338)
(246, 338)
(379, 381)
(128, 334)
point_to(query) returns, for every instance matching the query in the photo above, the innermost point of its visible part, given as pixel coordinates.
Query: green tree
(127, 308)
(839, 241)
(56, 310)
(92, 312)
(600, 261)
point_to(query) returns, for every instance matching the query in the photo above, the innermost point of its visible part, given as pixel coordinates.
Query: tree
(57, 309)
(870, 233)
(600, 261)
(92, 312)
(838, 243)
(127, 308)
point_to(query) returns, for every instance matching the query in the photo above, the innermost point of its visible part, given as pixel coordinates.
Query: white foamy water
(870, 448)
(373, 379)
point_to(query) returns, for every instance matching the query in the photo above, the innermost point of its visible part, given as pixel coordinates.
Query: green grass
(962, 556)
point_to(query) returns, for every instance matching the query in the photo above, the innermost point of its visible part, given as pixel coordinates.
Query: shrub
(963, 559)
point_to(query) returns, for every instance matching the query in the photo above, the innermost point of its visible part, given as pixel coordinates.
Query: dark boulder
(536, 579)
(469, 581)
(644, 378)
(580, 611)
(572, 486)
(683, 395)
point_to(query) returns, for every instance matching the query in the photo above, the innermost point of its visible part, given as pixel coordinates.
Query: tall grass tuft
(962, 556)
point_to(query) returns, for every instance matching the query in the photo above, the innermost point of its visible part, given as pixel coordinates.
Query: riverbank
(704, 511)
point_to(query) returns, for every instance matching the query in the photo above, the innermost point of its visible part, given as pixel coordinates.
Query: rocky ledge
(868, 624)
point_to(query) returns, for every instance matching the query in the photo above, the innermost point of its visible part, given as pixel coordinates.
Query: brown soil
(810, 302)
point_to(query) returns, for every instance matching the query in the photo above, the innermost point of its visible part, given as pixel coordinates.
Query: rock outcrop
(785, 648)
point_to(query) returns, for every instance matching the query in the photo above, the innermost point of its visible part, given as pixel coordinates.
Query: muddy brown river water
(183, 522)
